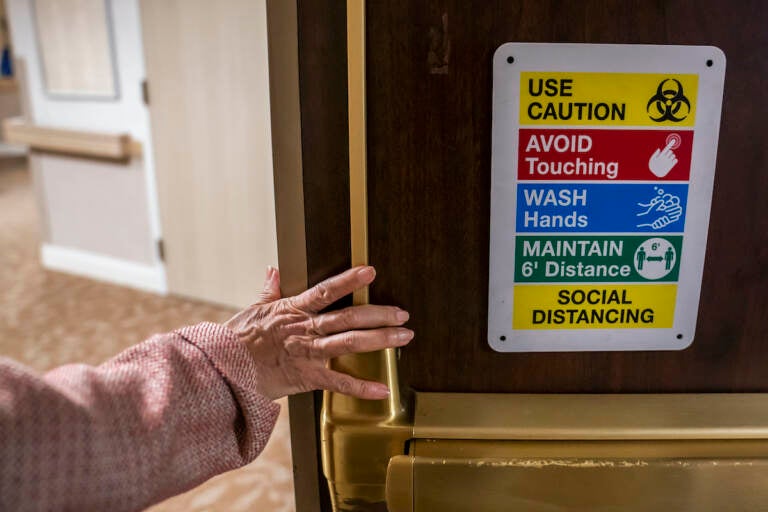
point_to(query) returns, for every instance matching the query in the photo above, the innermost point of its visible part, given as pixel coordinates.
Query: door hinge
(161, 249)
(145, 92)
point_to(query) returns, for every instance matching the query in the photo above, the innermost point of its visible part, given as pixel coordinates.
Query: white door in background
(208, 79)
(100, 218)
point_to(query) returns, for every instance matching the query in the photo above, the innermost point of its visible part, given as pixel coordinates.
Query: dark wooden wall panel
(322, 26)
(429, 145)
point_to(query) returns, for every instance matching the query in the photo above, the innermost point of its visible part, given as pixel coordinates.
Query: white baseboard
(104, 268)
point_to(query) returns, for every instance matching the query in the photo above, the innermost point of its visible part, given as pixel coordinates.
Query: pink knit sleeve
(158, 419)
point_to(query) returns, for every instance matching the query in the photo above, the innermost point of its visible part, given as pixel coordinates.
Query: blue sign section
(601, 208)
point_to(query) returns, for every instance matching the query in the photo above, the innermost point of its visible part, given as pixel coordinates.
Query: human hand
(291, 343)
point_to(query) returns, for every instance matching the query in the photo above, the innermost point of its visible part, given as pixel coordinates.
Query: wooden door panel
(209, 106)
(429, 135)
(429, 146)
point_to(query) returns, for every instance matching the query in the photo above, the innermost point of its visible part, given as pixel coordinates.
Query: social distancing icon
(655, 258)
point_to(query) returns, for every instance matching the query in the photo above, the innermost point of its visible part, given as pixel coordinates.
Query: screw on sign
(669, 103)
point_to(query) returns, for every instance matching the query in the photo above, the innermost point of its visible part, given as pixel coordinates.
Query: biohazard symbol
(669, 103)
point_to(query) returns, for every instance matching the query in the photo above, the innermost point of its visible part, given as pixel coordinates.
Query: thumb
(271, 290)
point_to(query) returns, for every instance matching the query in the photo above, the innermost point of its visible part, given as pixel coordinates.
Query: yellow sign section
(604, 99)
(637, 306)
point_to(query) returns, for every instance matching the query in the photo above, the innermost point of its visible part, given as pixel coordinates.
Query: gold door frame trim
(358, 172)
(360, 437)
(358, 156)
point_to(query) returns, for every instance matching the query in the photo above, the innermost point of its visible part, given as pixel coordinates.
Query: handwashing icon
(663, 209)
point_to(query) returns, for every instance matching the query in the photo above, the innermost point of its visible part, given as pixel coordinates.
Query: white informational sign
(603, 164)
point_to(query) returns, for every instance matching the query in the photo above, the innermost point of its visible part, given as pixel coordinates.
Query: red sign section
(604, 155)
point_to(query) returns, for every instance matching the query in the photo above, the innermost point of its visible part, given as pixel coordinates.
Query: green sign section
(597, 259)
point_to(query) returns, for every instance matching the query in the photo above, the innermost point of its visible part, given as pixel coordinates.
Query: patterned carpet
(48, 319)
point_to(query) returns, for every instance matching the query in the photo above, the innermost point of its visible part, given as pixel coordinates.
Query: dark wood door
(429, 90)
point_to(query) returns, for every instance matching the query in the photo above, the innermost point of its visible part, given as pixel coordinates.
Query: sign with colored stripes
(600, 207)
(603, 161)
(589, 306)
(595, 259)
(600, 155)
(608, 99)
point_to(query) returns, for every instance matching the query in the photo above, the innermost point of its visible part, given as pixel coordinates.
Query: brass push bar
(542, 453)
(358, 438)
(466, 483)
(591, 417)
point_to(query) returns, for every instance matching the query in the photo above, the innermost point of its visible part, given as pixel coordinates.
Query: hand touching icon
(663, 160)
(662, 210)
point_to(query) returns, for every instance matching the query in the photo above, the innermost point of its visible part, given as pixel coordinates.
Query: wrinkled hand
(291, 343)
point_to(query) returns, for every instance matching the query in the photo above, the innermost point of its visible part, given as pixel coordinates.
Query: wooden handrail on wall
(8, 86)
(71, 142)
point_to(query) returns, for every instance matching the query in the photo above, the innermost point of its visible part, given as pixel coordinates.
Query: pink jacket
(158, 419)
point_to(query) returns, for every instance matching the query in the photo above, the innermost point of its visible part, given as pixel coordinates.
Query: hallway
(49, 319)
